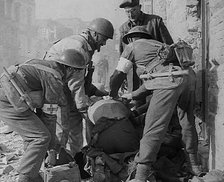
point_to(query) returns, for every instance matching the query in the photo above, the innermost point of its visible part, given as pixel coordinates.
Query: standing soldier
(89, 41)
(32, 85)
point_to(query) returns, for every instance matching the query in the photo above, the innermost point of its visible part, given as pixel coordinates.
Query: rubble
(211, 176)
(5, 130)
(6, 170)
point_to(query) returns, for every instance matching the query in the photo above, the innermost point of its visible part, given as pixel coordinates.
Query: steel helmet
(73, 58)
(137, 31)
(102, 26)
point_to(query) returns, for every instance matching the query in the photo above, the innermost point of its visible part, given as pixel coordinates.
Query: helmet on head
(137, 31)
(72, 58)
(102, 26)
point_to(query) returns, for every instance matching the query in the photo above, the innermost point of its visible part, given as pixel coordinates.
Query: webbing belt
(45, 68)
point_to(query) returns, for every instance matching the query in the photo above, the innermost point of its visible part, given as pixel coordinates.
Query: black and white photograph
(111, 90)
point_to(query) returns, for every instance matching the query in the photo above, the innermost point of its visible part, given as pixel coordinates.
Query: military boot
(144, 173)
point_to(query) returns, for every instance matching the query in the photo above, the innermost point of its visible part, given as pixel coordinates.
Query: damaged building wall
(184, 20)
(216, 83)
(17, 30)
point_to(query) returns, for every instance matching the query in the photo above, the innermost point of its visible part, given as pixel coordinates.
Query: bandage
(124, 65)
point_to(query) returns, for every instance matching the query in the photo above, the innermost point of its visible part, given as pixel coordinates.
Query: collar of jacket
(139, 21)
(58, 67)
(90, 42)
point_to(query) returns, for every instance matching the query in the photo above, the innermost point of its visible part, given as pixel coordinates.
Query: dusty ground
(11, 150)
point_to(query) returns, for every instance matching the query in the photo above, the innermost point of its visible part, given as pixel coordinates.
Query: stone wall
(182, 18)
(159, 8)
(216, 84)
(184, 21)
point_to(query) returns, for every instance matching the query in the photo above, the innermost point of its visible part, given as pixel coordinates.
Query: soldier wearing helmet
(90, 40)
(72, 58)
(37, 84)
(154, 25)
(103, 29)
(151, 56)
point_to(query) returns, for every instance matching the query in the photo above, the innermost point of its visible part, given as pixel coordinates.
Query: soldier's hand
(107, 97)
(127, 96)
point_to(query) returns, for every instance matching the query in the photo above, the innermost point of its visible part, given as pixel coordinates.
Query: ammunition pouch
(20, 102)
(37, 98)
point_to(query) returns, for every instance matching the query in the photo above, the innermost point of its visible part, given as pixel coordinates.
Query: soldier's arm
(76, 86)
(116, 81)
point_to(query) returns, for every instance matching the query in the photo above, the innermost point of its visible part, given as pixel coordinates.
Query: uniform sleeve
(53, 89)
(116, 81)
(76, 86)
(119, 75)
(125, 62)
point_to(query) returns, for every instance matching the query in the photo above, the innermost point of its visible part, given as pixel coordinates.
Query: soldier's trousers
(159, 113)
(34, 133)
(70, 131)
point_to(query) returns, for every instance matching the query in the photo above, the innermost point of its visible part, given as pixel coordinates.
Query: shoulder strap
(45, 68)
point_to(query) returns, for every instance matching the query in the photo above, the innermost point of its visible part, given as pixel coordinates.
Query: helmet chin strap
(62, 68)
(96, 43)
(92, 41)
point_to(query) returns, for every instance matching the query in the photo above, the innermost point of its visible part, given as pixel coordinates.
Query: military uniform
(37, 132)
(166, 94)
(72, 126)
